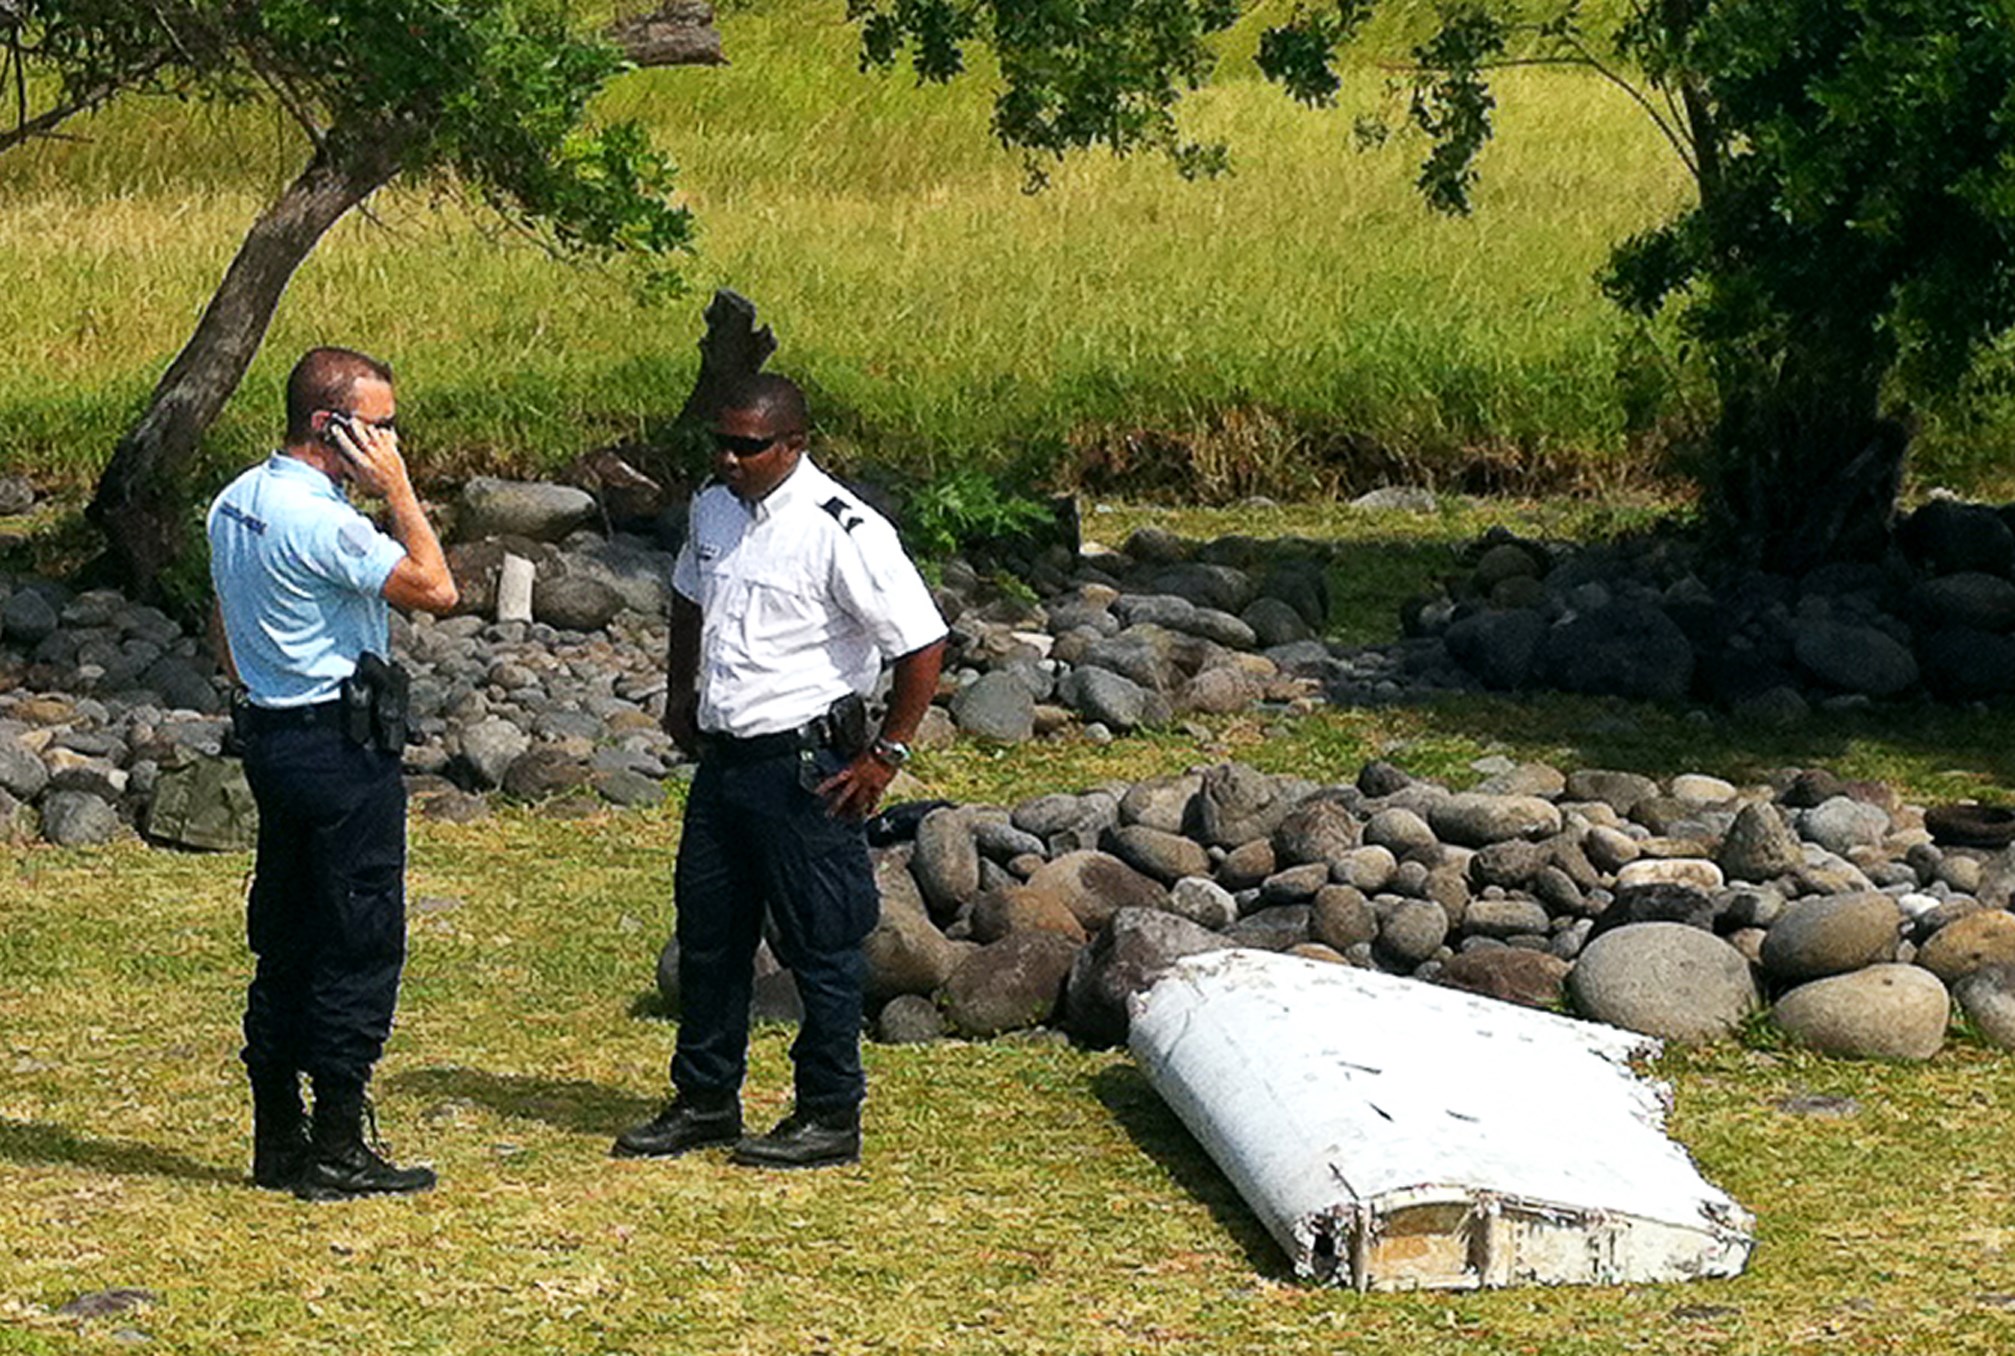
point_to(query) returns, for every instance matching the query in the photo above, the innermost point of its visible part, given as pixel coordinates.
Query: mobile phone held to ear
(349, 425)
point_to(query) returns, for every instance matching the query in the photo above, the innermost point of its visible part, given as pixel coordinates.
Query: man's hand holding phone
(371, 451)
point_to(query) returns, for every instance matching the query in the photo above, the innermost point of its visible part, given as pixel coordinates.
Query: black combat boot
(805, 1139)
(692, 1120)
(280, 1147)
(342, 1164)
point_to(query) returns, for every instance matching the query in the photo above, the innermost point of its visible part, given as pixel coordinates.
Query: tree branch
(28, 129)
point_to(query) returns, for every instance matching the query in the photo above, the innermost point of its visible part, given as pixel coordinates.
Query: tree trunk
(141, 494)
(1810, 469)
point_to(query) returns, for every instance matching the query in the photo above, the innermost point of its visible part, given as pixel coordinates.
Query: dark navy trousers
(327, 913)
(757, 842)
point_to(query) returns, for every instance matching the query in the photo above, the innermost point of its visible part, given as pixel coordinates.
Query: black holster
(847, 725)
(374, 700)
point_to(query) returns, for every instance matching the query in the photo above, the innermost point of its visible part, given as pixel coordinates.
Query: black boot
(343, 1164)
(280, 1148)
(688, 1121)
(805, 1139)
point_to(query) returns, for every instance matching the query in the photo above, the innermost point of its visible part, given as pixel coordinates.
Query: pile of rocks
(1657, 618)
(549, 683)
(1679, 909)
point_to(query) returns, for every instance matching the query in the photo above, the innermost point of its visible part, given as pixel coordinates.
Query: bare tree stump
(732, 350)
(678, 33)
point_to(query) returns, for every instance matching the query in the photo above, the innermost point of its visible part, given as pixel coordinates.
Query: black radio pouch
(374, 704)
(847, 719)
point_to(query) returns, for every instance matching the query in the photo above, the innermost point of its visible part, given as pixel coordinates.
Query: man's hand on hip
(856, 789)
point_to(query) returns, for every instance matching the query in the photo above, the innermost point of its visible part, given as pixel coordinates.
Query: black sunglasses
(735, 445)
(389, 423)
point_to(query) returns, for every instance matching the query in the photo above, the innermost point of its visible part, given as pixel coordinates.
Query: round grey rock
(1502, 918)
(1167, 857)
(1667, 980)
(1758, 846)
(1881, 1012)
(998, 706)
(1202, 901)
(543, 512)
(1010, 984)
(909, 1019)
(1341, 917)
(1413, 931)
(1473, 820)
(1853, 658)
(1831, 934)
(1987, 997)
(78, 819)
(1843, 823)
(946, 861)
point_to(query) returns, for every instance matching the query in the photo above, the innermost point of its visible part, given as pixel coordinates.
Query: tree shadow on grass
(1162, 1136)
(34, 1142)
(570, 1104)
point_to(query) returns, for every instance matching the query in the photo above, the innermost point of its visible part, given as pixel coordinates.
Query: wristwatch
(892, 752)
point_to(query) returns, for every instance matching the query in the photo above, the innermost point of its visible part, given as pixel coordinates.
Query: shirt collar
(293, 468)
(801, 483)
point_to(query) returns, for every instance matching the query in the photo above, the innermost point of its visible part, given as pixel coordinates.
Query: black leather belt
(813, 734)
(265, 719)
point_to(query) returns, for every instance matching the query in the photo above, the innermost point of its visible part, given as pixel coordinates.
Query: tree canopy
(1851, 245)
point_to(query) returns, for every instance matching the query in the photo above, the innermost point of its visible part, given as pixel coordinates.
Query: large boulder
(1017, 908)
(1666, 980)
(1126, 958)
(1623, 649)
(1831, 934)
(906, 954)
(1474, 820)
(1881, 1012)
(1759, 846)
(1853, 658)
(1971, 943)
(1110, 698)
(1096, 885)
(78, 819)
(946, 862)
(1513, 974)
(1987, 997)
(206, 804)
(998, 706)
(1236, 804)
(1008, 985)
(494, 508)
(1167, 857)
(1318, 830)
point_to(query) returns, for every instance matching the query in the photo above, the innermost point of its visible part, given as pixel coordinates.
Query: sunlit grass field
(940, 312)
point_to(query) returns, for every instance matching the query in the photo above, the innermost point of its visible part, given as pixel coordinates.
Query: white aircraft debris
(1395, 1135)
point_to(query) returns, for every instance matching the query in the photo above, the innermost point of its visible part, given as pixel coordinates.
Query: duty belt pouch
(374, 701)
(848, 719)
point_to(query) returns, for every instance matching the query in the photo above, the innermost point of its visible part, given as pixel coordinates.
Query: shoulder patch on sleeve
(843, 513)
(356, 537)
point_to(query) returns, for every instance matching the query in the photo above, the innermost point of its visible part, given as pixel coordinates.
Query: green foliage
(966, 507)
(492, 96)
(1074, 74)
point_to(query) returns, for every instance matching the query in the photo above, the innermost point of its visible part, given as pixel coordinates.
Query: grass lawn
(1014, 1197)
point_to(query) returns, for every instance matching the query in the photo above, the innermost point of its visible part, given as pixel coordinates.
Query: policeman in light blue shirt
(304, 586)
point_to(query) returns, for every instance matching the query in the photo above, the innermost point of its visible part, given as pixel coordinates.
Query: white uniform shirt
(802, 595)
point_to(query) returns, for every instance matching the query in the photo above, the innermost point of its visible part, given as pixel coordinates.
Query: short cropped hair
(323, 380)
(776, 396)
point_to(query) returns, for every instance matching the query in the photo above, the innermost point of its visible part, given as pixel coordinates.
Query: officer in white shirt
(304, 583)
(789, 595)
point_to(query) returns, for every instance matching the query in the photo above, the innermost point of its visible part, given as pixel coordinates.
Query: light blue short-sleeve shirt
(300, 578)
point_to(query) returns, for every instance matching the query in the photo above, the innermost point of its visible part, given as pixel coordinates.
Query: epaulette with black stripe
(843, 513)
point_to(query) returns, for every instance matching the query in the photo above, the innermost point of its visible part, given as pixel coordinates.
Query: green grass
(1013, 1198)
